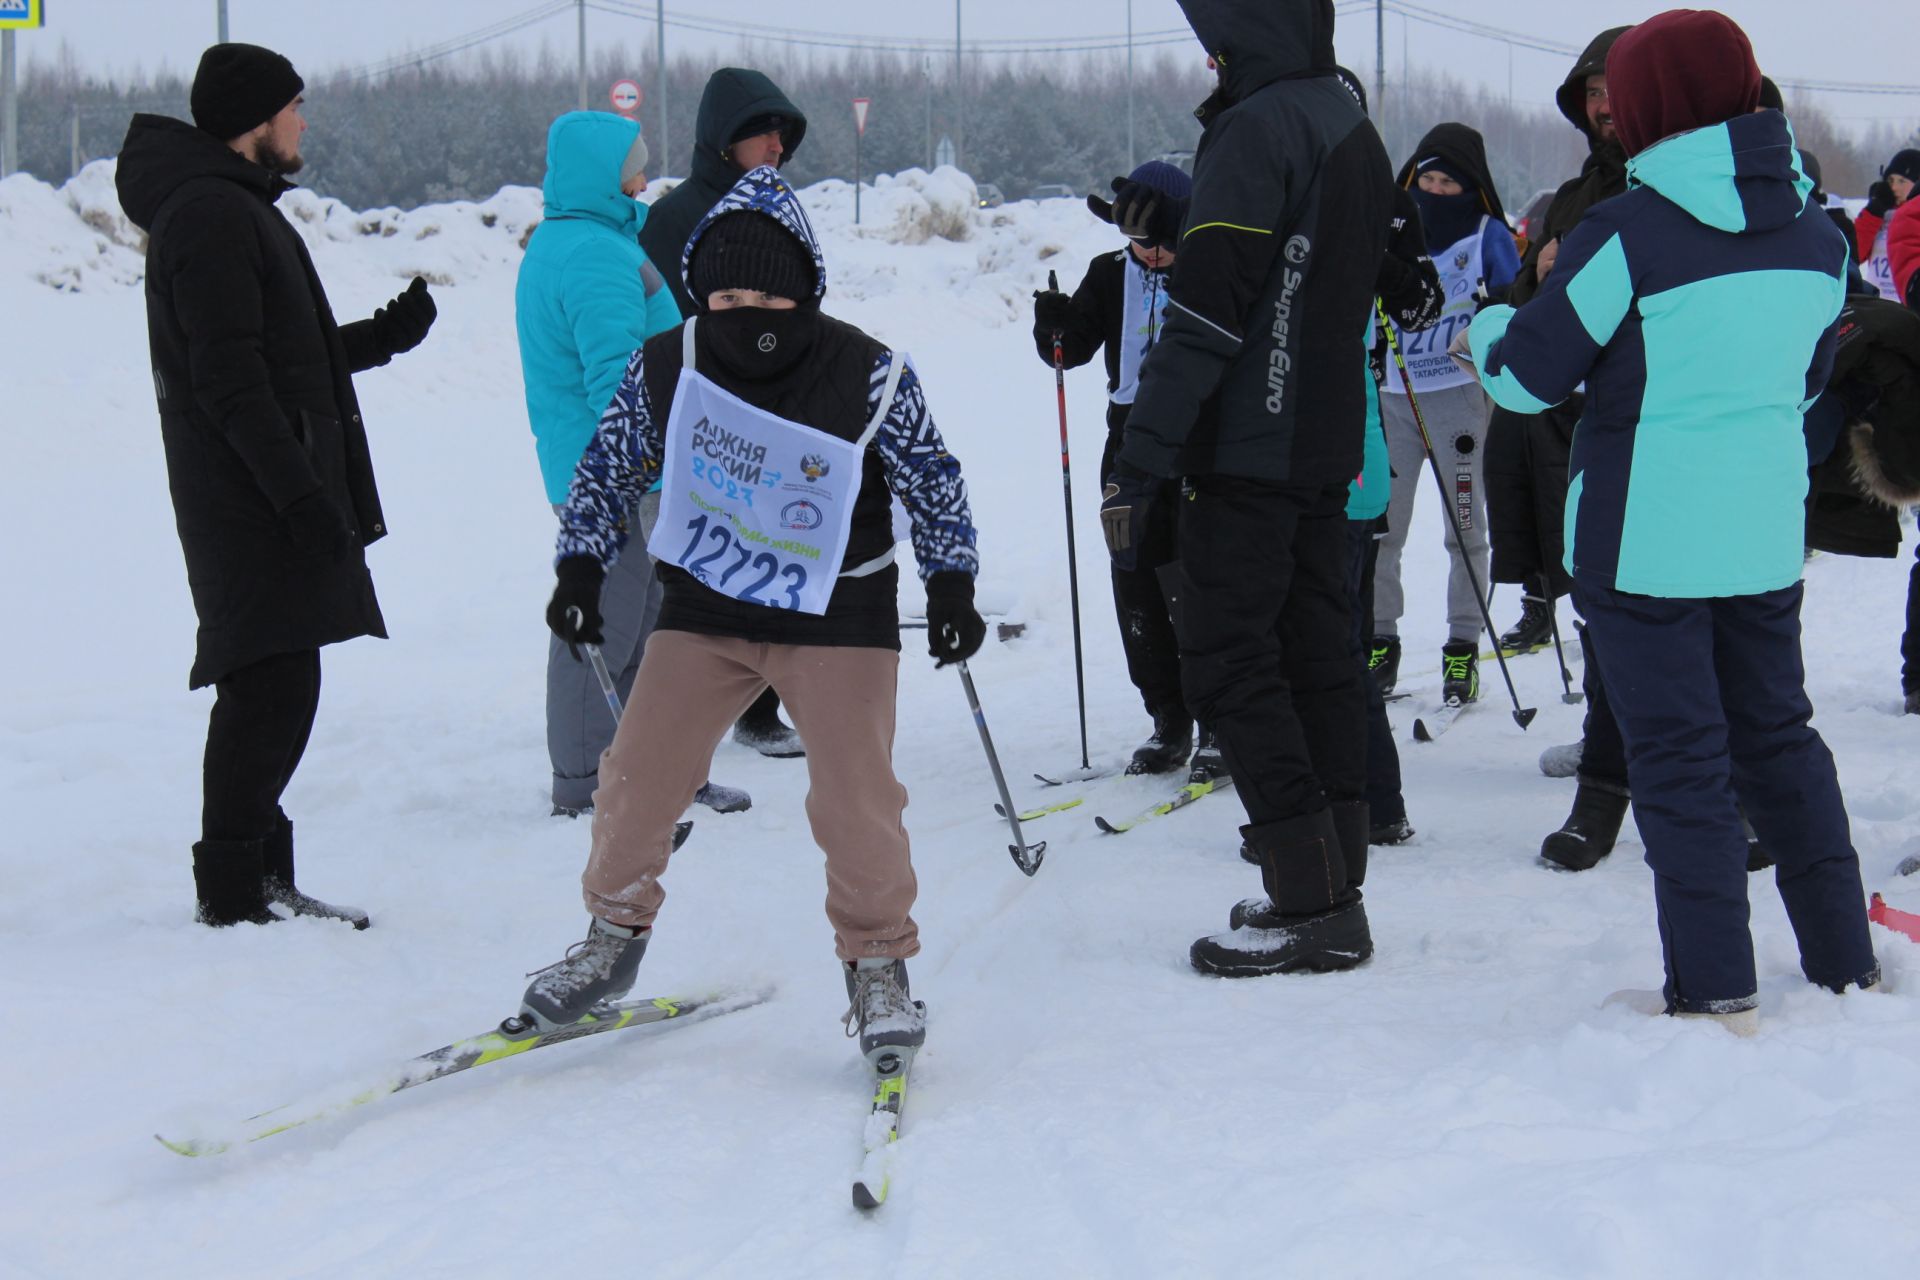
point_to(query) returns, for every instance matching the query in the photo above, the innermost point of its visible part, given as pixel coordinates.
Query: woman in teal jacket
(586, 300)
(1698, 309)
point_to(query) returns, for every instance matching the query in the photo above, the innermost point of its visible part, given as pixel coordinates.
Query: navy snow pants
(1710, 695)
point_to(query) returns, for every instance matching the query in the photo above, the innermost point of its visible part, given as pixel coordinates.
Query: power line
(460, 44)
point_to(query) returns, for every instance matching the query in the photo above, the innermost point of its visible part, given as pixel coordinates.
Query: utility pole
(73, 141)
(221, 10)
(580, 6)
(959, 95)
(1379, 62)
(9, 109)
(660, 61)
(926, 73)
(1130, 161)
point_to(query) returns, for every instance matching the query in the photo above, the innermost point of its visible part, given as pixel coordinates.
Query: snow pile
(69, 238)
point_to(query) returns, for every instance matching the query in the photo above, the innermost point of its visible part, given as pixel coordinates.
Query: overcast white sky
(1853, 40)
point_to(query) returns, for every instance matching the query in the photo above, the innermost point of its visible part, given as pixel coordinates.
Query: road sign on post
(860, 106)
(626, 97)
(19, 14)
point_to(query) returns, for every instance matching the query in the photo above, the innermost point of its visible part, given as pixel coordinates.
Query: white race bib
(1461, 269)
(754, 506)
(1878, 270)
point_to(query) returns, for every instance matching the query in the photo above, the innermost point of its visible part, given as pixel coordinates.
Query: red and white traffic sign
(625, 97)
(860, 114)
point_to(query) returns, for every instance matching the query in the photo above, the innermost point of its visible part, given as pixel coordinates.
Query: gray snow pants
(579, 722)
(1457, 420)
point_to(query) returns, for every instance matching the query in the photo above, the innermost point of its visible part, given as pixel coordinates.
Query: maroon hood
(1681, 70)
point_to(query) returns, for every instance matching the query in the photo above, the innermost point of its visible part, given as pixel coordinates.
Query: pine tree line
(463, 128)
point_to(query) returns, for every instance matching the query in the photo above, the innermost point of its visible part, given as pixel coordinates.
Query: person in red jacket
(1873, 229)
(1903, 252)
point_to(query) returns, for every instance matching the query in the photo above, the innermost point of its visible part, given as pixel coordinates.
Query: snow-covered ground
(1086, 1106)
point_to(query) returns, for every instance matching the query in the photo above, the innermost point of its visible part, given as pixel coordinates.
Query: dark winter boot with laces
(599, 969)
(1207, 763)
(1590, 830)
(881, 1009)
(276, 862)
(1383, 662)
(1168, 748)
(1459, 671)
(1534, 631)
(228, 885)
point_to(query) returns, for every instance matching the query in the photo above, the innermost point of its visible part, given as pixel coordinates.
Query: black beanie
(750, 250)
(240, 87)
(1906, 163)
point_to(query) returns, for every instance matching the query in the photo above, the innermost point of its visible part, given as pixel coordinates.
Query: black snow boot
(1168, 748)
(1383, 662)
(1207, 763)
(1392, 831)
(762, 729)
(276, 864)
(228, 884)
(1265, 938)
(1534, 631)
(1590, 830)
(1913, 702)
(1459, 672)
(599, 969)
(1758, 859)
(881, 1009)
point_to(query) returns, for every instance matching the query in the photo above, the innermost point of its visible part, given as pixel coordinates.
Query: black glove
(315, 526)
(1124, 504)
(954, 628)
(1052, 313)
(574, 612)
(402, 324)
(1880, 201)
(1146, 216)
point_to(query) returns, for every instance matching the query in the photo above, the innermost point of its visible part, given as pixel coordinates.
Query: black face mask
(755, 343)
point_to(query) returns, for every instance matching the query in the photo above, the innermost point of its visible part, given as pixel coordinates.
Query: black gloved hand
(1124, 504)
(574, 612)
(315, 526)
(1880, 201)
(954, 628)
(403, 323)
(1146, 216)
(1052, 312)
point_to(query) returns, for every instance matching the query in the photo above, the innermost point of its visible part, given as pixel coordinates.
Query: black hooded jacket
(1862, 480)
(1602, 177)
(733, 96)
(1260, 370)
(256, 400)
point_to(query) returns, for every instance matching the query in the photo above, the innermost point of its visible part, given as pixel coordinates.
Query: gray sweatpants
(1457, 420)
(579, 722)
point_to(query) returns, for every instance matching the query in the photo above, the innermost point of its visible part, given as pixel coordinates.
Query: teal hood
(585, 150)
(1741, 176)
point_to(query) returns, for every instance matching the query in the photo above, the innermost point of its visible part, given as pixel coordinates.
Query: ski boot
(1383, 662)
(276, 865)
(1262, 940)
(1590, 830)
(598, 969)
(1394, 831)
(1459, 672)
(1207, 763)
(1563, 761)
(1168, 748)
(881, 1009)
(1533, 632)
(228, 885)
(723, 799)
(762, 729)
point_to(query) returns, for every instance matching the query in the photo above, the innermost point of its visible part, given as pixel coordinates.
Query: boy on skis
(779, 436)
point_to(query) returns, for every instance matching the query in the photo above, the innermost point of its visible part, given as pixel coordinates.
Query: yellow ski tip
(191, 1146)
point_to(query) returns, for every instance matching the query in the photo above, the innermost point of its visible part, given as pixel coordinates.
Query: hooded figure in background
(745, 121)
(1467, 240)
(1891, 213)
(1699, 310)
(267, 457)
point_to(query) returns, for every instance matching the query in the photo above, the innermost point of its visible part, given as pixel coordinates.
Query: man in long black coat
(267, 457)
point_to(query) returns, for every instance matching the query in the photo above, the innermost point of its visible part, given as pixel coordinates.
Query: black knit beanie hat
(746, 249)
(240, 87)
(1906, 163)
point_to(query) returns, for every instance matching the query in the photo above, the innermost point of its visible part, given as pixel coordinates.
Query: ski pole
(1567, 694)
(1025, 856)
(1073, 565)
(599, 668)
(1522, 716)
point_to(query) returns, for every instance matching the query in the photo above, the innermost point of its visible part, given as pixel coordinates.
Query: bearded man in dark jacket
(1256, 396)
(267, 457)
(745, 121)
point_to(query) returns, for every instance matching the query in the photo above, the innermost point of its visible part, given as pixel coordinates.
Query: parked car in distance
(1528, 224)
(990, 197)
(1053, 191)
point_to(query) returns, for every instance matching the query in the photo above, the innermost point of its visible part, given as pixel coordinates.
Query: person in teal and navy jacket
(1699, 311)
(587, 298)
